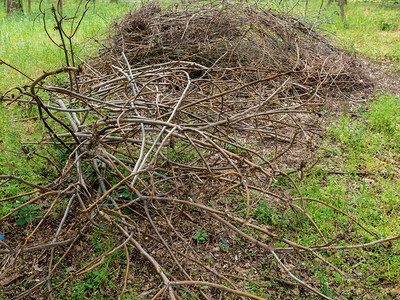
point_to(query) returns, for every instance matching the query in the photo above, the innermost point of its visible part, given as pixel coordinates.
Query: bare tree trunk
(14, 6)
(341, 5)
(320, 8)
(29, 6)
(305, 10)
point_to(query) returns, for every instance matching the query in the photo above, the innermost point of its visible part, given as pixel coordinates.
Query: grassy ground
(373, 29)
(361, 148)
(357, 172)
(364, 147)
(26, 46)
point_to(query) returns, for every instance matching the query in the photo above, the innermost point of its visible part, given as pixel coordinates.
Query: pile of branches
(172, 138)
(237, 36)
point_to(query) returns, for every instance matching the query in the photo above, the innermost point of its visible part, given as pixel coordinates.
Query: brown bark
(342, 14)
(14, 6)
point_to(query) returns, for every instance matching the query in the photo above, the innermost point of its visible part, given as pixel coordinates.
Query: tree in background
(341, 4)
(14, 6)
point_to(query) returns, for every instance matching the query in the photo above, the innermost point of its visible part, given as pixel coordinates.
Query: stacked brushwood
(174, 135)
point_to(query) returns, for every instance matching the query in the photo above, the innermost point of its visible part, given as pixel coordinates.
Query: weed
(235, 149)
(324, 286)
(264, 214)
(387, 24)
(101, 282)
(188, 295)
(201, 236)
(26, 214)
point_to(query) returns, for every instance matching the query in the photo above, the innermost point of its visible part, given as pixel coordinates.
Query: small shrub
(201, 236)
(27, 213)
(387, 24)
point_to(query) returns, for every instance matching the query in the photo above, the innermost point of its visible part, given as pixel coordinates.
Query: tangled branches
(173, 139)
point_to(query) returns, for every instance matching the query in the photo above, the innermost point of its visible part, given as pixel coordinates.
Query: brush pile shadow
(175, 140)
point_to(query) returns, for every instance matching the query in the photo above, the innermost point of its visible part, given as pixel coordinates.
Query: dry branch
(187, 110)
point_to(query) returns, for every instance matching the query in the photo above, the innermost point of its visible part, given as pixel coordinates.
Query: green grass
(12, 133)
(29, 49)
(366, 145)
(103, 282)
(363, 147)
(373, 28)
(385, 117)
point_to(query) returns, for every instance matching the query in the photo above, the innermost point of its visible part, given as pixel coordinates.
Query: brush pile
(175, 139)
